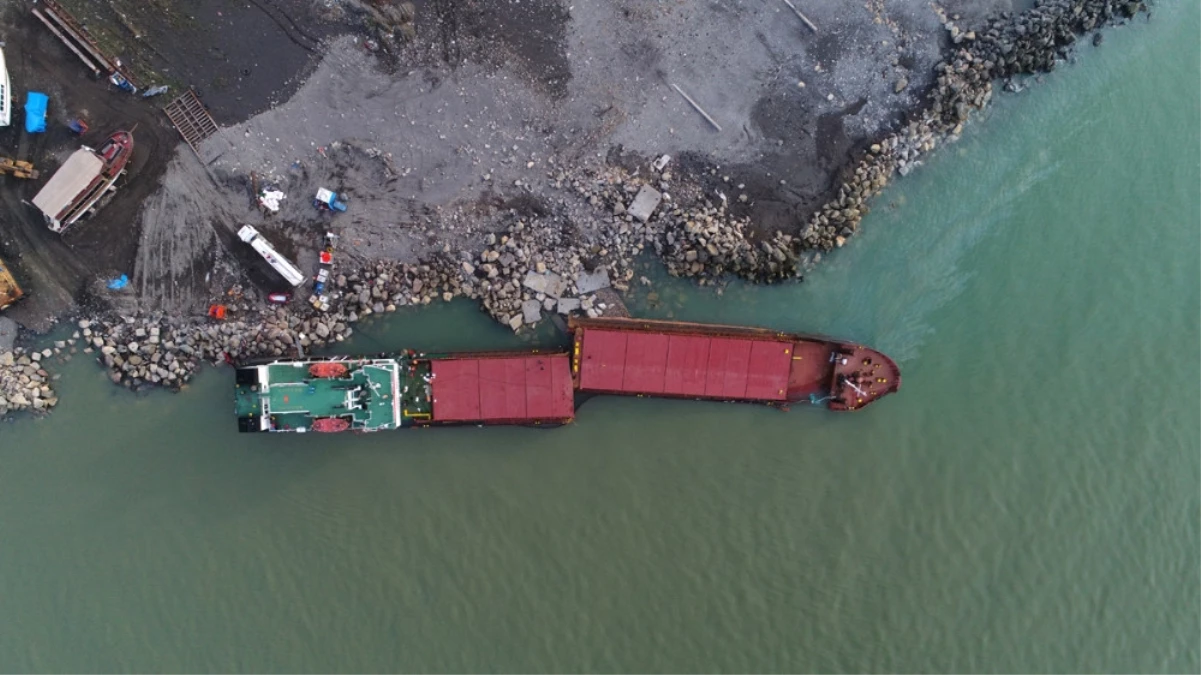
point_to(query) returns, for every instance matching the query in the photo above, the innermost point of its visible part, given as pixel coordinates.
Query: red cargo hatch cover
(684, 365)
(502, 388)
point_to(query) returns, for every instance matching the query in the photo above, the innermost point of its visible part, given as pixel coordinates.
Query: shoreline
(534, 264)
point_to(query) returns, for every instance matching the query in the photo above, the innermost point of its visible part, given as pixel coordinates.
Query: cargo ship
(637, 357)
(630, 357)
(84, 179)
(409, 389)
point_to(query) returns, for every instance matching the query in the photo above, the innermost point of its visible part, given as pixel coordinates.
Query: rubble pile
(24, 381)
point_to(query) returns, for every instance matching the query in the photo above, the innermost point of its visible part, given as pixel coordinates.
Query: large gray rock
(8, 333)
(531, 311)
(586, 283)
(568, 305)
(547, 283)
(645, 203)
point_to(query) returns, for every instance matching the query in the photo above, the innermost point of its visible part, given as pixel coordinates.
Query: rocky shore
(549, 265)
(1004, 47)
(24, 380)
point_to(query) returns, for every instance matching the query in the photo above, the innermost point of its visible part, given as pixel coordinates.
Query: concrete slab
(569, 305)
(531, 311)
(590, 283)
(547, 283)
(645, 203)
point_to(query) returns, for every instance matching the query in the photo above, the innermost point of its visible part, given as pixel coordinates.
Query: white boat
(6, 108)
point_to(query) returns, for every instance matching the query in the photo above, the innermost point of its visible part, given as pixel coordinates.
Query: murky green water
(1027, 502)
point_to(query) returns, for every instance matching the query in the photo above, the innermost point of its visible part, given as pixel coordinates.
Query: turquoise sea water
(1029, 501)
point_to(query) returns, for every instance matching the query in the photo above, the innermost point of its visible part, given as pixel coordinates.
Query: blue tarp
(35, 112)
(118, 283)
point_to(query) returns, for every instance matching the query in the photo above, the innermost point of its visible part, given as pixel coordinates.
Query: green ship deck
(284, 396)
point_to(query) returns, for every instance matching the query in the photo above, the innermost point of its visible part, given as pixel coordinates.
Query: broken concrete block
(590, 283)
(531, 311)
(568, 305)
(547, 283)
(645, 203)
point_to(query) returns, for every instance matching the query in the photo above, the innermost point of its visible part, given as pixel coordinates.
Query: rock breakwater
(1003, 47)
(25, 384)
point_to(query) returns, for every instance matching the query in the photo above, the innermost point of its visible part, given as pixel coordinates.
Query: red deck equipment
(330, 425)
(328, 369)
(509, 388)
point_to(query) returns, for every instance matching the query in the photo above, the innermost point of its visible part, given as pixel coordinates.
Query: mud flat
(527, 170)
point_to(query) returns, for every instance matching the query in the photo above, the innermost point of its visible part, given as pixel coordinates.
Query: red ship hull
(115, 153)
(726, 363)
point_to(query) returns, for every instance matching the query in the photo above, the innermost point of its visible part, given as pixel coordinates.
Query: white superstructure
(281, 264)
(6, 98)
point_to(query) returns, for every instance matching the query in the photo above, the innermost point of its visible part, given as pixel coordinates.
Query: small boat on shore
(86, 178)
(631, 357)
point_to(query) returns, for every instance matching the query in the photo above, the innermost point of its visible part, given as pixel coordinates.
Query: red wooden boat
(328, 369)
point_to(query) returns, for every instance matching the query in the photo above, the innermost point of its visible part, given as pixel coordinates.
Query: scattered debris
(802, 17)
(645, 203)
(270, 199)
(699, 109)
(118, 284)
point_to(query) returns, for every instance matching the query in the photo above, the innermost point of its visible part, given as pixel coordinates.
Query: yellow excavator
(10, 292)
